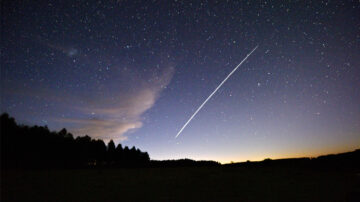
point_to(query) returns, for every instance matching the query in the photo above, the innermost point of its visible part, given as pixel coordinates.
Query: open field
(182, 184)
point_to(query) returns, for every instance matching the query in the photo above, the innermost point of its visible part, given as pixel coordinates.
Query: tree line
(38, 147)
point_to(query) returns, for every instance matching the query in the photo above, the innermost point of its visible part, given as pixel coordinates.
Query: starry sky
(135, 71)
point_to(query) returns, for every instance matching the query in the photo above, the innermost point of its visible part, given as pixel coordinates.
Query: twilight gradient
(135, 71)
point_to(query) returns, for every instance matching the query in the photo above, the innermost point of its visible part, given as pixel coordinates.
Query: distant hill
(331, 161)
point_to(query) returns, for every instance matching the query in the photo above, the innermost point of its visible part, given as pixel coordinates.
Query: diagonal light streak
(216, 89)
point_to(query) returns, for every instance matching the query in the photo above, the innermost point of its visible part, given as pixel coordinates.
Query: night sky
(135, 71)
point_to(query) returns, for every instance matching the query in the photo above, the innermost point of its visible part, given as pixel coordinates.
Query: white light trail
(217, 88)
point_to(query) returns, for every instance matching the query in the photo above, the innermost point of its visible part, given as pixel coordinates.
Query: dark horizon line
(266, 159)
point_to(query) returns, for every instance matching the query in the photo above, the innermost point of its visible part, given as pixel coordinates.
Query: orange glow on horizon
(310, 153)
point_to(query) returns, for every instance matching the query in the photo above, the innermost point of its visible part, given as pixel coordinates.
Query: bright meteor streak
(217, 88)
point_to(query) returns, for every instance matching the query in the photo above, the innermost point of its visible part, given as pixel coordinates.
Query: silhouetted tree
(111, 152)
(63, 132)
(119, 155)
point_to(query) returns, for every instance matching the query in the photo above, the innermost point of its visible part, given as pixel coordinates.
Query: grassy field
(180, 184)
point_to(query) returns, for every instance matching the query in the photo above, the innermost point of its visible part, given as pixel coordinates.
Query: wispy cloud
(123, 113)
(103, 129)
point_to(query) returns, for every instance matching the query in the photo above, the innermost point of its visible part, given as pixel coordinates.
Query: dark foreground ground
(182, 184)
